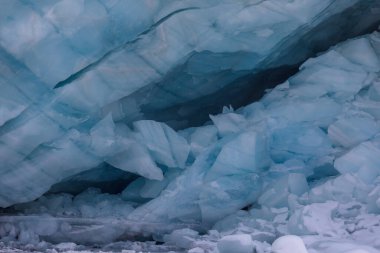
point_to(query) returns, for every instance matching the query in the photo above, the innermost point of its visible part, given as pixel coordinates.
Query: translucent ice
(166, 146)
(236, 243)
(74, 73)
(79, 94)
(283, 148)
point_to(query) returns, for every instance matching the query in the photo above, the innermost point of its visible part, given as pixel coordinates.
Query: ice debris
(236, 243)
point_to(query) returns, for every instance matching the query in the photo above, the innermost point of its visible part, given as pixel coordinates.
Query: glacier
(118, 123)
(71, 93)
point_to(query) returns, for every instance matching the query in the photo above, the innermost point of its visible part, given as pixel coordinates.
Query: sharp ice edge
(303, 160)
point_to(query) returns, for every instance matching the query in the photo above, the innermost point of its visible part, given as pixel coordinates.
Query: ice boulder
(316, 218)
(236, 243)
(289, 244)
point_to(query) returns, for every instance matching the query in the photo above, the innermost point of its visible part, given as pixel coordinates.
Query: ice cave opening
(193, 126)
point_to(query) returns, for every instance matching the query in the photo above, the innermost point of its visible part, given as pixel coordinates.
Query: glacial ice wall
(304, 160)
(73, 74)
(78, 97)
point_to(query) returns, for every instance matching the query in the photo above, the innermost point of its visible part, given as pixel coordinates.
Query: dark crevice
(242, 91)
(180, 103)
(249, 87)
(104, 177)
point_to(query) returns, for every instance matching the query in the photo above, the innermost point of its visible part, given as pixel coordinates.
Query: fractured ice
(304, 159)
(67, 90)
(78, 96)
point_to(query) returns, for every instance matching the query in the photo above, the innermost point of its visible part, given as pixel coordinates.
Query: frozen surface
(300, 166)
(289, 244)
(302, 163)
(80, 82)
(236, 243)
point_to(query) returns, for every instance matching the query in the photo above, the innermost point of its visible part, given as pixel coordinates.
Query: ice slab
(80, 230)
(236, 243)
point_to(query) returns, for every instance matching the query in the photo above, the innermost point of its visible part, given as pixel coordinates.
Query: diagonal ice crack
(92, 65)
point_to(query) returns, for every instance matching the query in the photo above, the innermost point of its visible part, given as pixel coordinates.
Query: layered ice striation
(80, 89)
(304, 160)
(75, 75)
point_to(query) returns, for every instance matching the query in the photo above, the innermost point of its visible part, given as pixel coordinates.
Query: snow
(289, 244)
